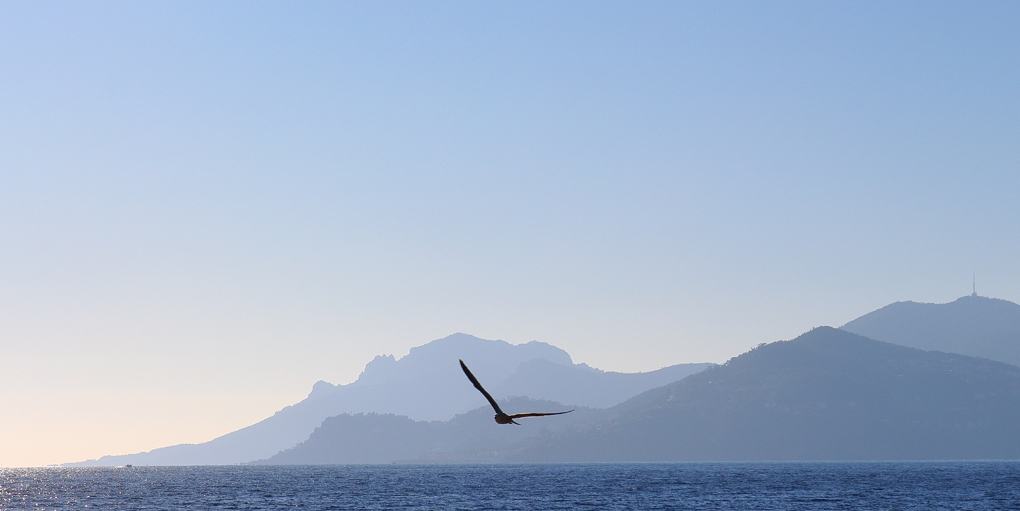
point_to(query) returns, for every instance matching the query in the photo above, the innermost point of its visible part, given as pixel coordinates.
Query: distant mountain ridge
(826, 395)
(972, 325)
(798, 381)
(428, 385)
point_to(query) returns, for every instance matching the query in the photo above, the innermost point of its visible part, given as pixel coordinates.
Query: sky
(206, 207)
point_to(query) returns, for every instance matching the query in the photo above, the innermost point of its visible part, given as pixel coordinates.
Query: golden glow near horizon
(78, 426)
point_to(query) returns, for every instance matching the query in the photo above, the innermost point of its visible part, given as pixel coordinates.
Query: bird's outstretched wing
(520, 415)
(478, 386)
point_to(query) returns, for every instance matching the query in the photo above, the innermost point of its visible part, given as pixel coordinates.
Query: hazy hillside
(385, 438)
(972, 325)
(427, 384)
(827, 395)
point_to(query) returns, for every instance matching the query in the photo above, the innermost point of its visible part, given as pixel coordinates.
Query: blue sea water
(730, 486)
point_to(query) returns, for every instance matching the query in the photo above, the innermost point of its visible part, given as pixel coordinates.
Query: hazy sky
(206, 207)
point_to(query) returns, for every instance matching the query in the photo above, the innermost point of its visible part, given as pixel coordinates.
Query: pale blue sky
(206, 207)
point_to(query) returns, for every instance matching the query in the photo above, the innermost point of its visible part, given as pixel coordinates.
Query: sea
(631, 486)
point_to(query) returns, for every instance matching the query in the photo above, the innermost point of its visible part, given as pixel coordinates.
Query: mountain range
(830, 394)
(428, 385)
(826, 395)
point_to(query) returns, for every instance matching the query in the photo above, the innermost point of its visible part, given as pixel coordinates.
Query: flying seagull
(502, 418)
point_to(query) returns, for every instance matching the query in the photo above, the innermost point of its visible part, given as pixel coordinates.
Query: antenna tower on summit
(973, 285)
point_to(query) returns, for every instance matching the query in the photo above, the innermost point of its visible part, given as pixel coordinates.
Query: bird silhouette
(502, 418)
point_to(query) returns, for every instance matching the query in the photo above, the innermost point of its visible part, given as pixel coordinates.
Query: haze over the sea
(207, 207)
